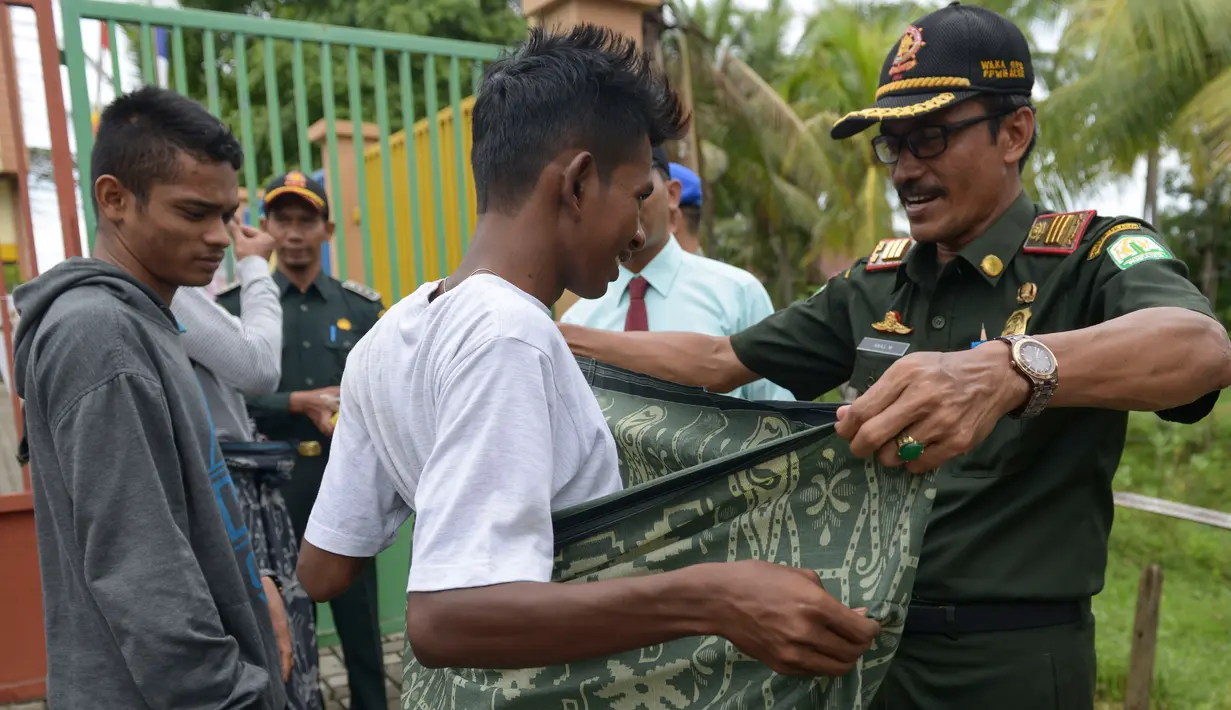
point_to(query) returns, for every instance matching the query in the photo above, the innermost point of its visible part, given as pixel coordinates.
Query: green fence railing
(271, 80)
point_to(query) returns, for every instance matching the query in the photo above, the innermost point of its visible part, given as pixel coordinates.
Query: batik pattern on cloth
(715, 479)
(258, 470)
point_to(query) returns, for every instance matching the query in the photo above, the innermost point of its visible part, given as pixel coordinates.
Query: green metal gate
(225, 60)
(230, 62)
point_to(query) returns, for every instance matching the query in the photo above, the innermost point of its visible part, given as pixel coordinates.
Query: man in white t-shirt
(464, 405)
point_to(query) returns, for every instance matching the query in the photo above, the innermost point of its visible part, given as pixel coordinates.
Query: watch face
(1036, 359)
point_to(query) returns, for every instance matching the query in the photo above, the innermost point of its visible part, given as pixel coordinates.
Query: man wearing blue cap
(686, 211)
(664, 287)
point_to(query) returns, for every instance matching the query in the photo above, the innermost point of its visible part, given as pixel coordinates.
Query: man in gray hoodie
(151, 595)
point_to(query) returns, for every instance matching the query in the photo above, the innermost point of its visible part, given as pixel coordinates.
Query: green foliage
(788, 203)
(1196, 229)
(1186, 464)
(1130, 76)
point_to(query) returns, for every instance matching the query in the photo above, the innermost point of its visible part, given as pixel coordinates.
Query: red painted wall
(23, 645)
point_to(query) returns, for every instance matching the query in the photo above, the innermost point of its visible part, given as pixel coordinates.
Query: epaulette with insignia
(888, 254)
(365, 291)
(1058, 233)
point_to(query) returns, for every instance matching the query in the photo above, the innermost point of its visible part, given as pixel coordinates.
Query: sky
(1125, 196)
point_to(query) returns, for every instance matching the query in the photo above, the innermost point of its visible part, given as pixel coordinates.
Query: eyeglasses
(925, 141)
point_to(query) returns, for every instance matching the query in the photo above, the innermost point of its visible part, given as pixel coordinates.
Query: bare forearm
(1148, 360)
(687, 358)
(526, 625)
(325, 575)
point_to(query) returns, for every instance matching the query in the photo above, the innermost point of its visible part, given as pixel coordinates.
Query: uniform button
(308, 381)
(306, 344)
(303, 307)
(938, 322)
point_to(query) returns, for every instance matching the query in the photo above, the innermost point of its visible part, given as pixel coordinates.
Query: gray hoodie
(150, 593)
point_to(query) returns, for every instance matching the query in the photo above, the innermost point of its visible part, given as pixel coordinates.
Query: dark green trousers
(1051, 668)
(356, 612)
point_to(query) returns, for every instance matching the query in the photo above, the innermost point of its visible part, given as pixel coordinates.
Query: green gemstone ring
(908, 448)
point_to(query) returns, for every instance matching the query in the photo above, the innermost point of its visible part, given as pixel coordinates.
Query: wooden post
(1145, 639)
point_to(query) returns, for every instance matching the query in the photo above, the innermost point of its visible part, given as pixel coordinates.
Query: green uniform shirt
(319, 328)
(1027, 513)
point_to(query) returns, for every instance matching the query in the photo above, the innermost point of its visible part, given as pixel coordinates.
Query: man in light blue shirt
(663, 287)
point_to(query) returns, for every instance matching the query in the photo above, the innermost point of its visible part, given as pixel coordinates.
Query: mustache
(915, 190)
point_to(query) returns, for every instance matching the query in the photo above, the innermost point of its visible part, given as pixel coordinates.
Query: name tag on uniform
(883, 347)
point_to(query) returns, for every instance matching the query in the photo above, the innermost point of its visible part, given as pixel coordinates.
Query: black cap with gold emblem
(951, 55)
(300, 185)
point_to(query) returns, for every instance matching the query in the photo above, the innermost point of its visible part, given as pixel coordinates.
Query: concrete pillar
(624, 16)
(349, 232)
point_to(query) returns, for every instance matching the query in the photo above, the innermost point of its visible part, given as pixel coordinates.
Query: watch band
(1041, 389)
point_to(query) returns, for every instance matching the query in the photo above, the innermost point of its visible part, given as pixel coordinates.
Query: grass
(1189, 464)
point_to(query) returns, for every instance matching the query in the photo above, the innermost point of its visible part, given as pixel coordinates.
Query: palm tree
(1131, 78)
(791, 204)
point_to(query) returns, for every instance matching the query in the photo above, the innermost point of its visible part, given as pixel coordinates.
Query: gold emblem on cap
(1026, 293)
(992, 265)
(908, 50)
(892, 323)
(295, 179)
(343, 324)
(309, 448)
(1016, 324)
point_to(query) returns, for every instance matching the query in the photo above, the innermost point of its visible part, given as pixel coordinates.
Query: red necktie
(637, 319)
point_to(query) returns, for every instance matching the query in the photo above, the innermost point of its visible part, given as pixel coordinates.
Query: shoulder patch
(888, 254)
(1129, 250)
(365, 291)
(1058, 233)
(1123, 227)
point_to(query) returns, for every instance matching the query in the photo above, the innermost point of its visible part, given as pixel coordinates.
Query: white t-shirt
(471, 411)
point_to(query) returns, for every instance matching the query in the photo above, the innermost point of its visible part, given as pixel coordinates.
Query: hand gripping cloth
(714, 479)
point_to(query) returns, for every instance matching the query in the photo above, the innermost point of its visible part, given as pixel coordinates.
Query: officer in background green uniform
(323, 318)
(1003, 345)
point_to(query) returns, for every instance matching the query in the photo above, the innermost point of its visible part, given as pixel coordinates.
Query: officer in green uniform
(323, 318)
(1003, 345)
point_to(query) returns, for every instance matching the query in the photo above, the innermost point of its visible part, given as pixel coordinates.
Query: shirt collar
(322, 284)
(660, 272)
(1001, 242)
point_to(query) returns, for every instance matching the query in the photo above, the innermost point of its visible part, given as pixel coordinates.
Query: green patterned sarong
(714, 479)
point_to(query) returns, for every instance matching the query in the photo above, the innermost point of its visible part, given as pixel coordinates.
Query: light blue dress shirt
(687, 293)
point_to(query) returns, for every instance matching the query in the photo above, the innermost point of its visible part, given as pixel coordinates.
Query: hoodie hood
(34, 299)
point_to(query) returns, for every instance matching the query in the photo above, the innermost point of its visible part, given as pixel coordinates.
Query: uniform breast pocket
(341, 346)
(869, 367)
(873, 357)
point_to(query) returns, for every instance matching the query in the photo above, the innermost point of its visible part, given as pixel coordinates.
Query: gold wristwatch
(1034, 361)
